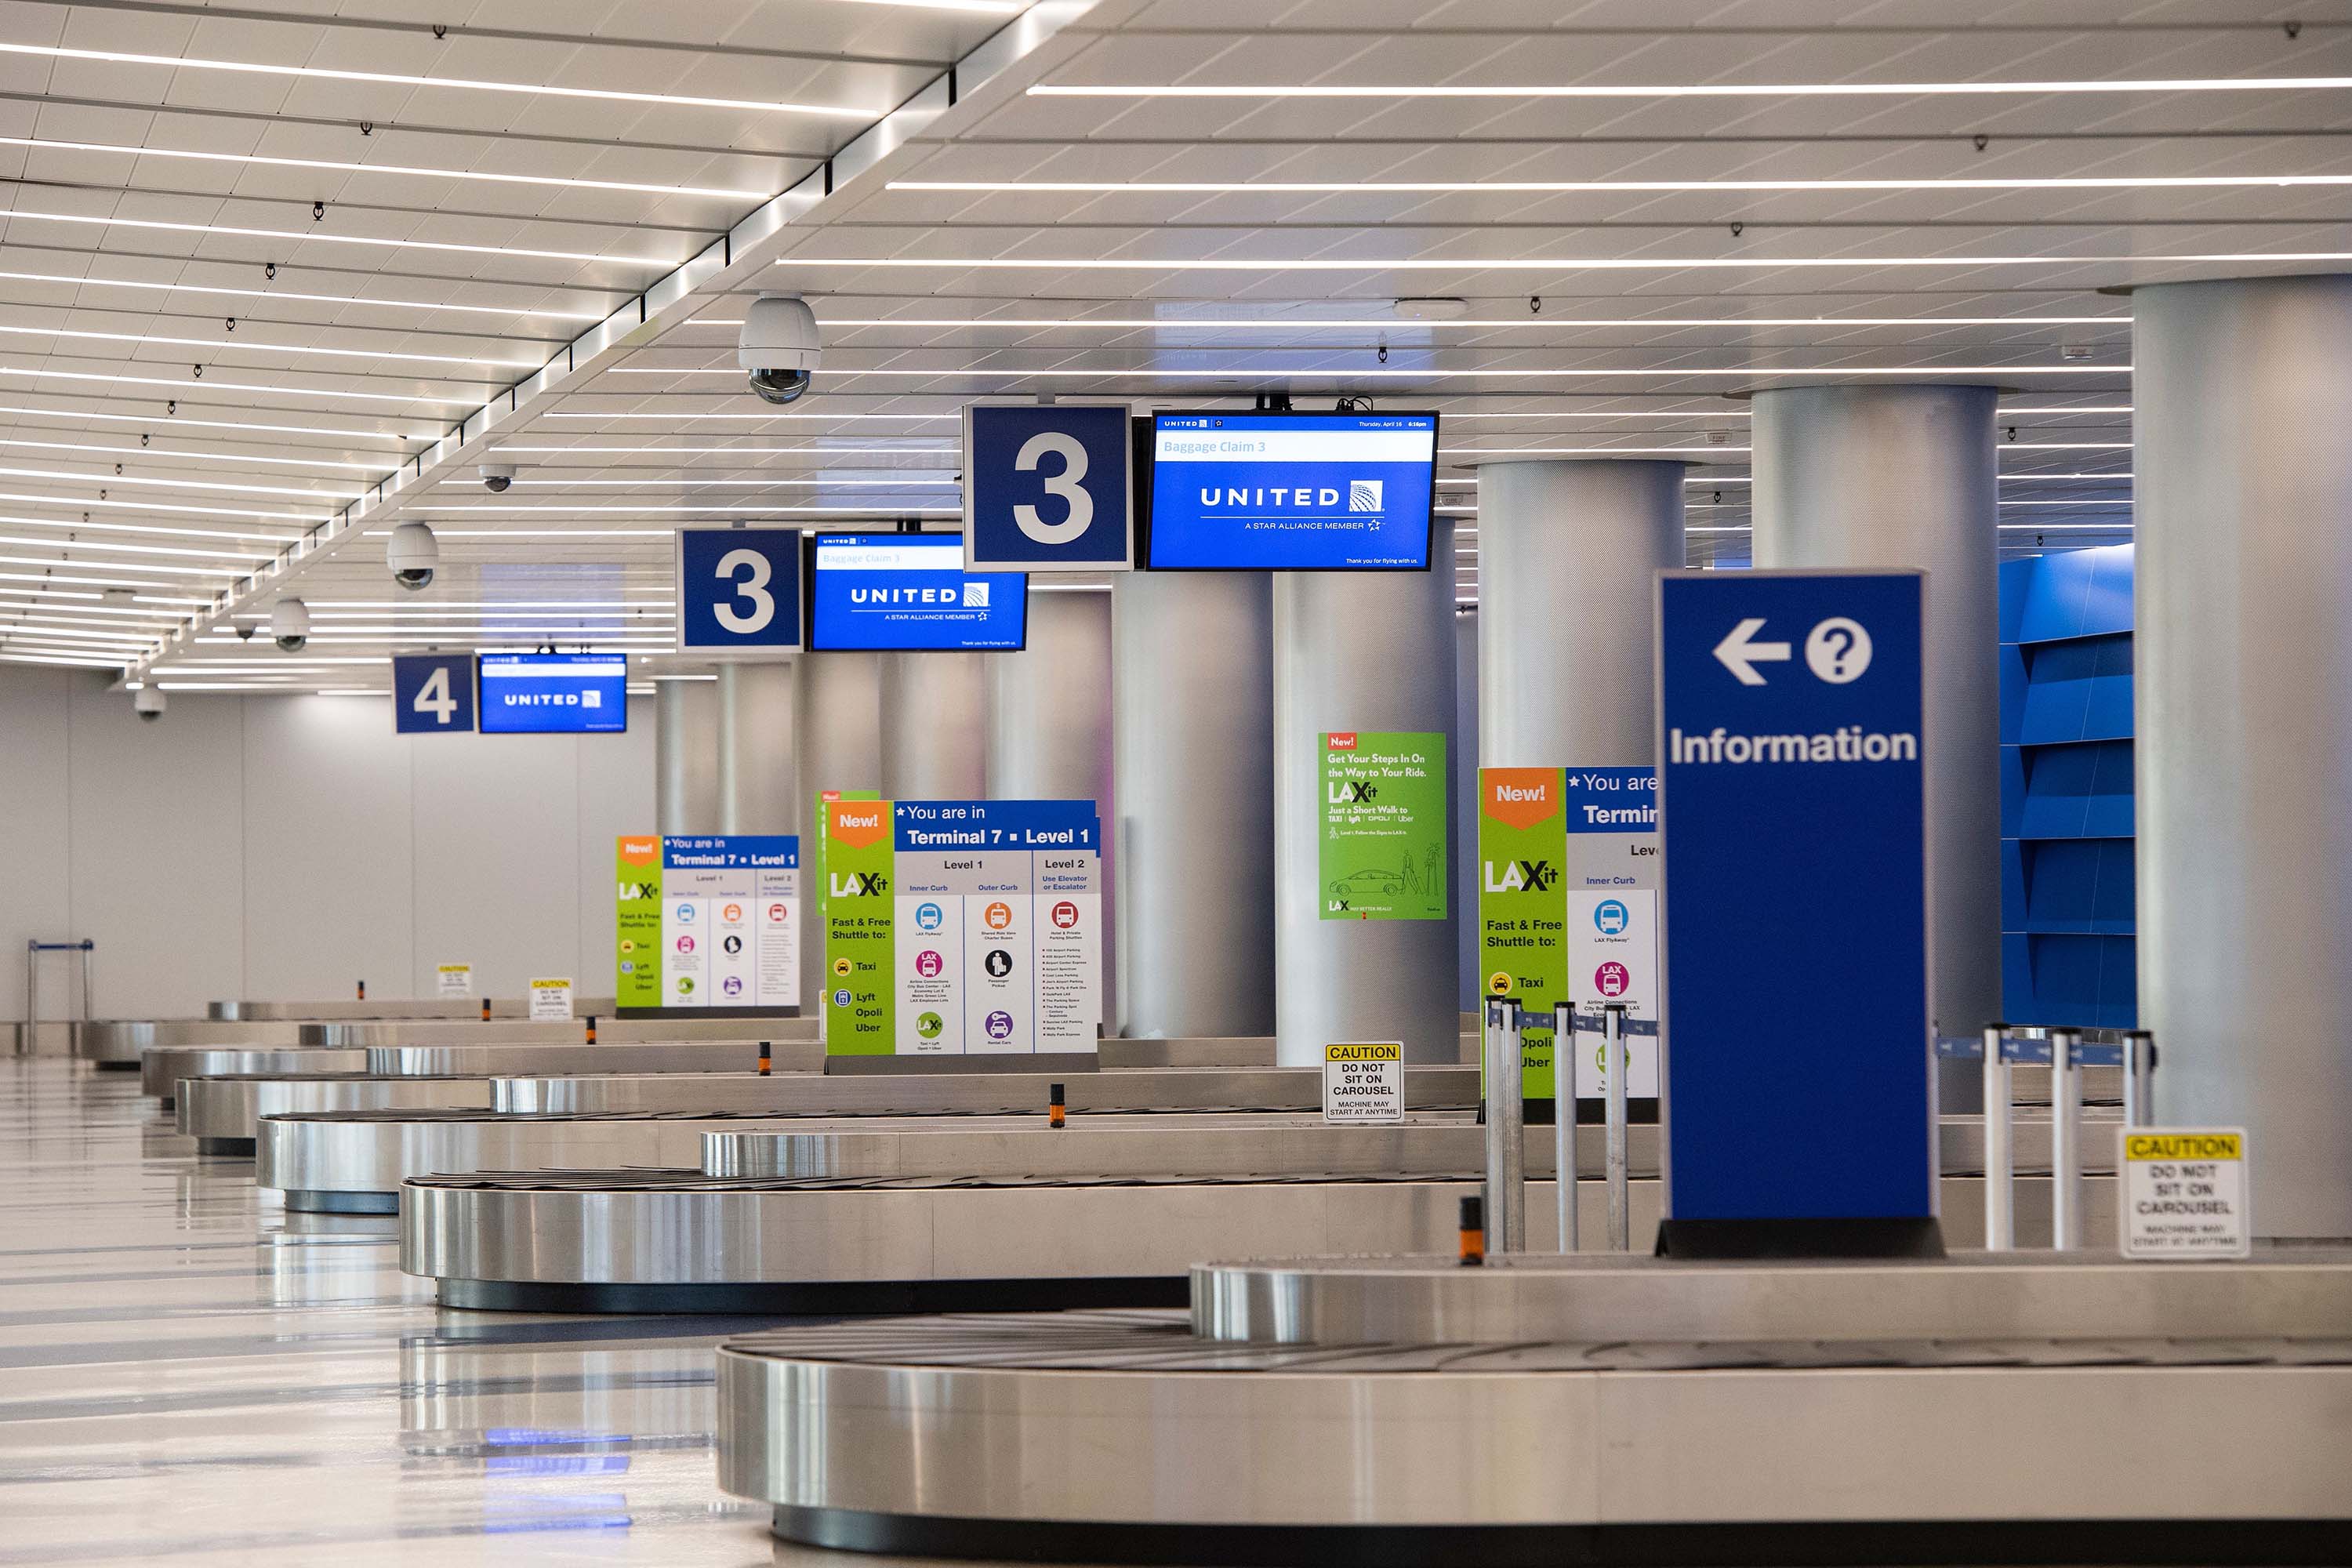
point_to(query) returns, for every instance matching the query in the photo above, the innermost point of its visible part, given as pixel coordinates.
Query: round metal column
(1049, 705)
(1569, 552)
(2243, 658)
(840, 747)
(1904, 475)
(934, 726)
(686, 756)
(758, 786)
(1193, 706)
(1466, 732)
(1358, 650)
(1049, 726)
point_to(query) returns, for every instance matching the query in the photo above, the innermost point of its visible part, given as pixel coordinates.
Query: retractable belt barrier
(2066, 1054)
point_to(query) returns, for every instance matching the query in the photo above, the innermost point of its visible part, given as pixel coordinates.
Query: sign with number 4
(738, 591)
(433, 694)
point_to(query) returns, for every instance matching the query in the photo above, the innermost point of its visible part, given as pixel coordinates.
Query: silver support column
(840, 747)
(1465, 803)
(1193, 708)
(1358, 650)
(1569, 552)
(934, 726)
(1049, 730)
(2242, 655)
(686, 756)
(1904, 475)
(759, 788)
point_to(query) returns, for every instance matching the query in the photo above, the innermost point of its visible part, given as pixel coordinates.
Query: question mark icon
(1838, 650)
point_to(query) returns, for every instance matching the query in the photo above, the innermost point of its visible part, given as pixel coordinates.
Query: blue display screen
(1292, 491)
(555, 693)
(911, 591)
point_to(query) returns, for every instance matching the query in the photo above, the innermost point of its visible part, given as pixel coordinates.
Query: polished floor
(189, 1374)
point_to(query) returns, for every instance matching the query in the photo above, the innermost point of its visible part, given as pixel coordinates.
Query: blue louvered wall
(2068, 952)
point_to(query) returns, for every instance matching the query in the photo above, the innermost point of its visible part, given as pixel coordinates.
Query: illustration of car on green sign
(1372, 880)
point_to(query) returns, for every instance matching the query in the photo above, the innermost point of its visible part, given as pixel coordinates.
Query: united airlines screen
(1292, 491)
(555, 693)
(910, 592)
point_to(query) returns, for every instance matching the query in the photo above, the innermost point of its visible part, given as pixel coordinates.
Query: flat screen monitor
(555, 693)
(909, 592)
(1292, 492)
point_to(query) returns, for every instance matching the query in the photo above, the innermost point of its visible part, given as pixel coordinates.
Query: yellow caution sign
(1363, 1081)
(2184, 1146)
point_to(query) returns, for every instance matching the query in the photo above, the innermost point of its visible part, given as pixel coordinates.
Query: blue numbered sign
(739, 591)
(1048, 487)
(433, 694)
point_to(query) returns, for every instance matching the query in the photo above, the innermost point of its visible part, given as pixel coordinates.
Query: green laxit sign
(858, 904)
(1381, 848)
(636, 977)
(1522, 909)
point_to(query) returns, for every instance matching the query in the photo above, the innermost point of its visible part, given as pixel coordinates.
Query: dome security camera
(412, 553)
(148, 703)
(779, 347)
(243, 629)
(289, 625)
(497, 476)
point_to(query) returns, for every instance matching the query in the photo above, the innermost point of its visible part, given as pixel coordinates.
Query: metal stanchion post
(2140, 1075)
(1506, 1133)
(88, 1011)
(1999, 1221)
(2065, 1140)
(1563, 1121)
(1621, 1216)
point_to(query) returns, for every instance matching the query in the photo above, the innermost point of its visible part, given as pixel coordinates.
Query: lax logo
(858, 884)
(1521, 876)
(630, 890)
(1352, 792)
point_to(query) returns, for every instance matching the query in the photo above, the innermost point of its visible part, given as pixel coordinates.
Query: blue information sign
(432, 693)
(1797, 1082)
(1047, 487)
(739, 591)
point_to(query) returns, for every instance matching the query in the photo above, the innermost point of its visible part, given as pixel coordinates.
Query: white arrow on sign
(1740, 655)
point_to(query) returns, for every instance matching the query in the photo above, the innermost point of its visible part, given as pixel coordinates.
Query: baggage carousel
(355, 1162)
(1134, 1436)
(1008, 1218)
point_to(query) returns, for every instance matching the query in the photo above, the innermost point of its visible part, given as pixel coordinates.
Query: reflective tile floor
(190, 1375)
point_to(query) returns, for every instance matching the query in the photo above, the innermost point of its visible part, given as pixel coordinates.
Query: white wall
(282, 848)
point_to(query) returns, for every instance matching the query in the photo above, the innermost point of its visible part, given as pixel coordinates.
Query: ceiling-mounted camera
(779, 347)
(496, 477)
(148, 703)
(412, 553)
(289, 625)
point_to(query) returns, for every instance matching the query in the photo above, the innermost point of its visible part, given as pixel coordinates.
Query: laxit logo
(1521, 877)
(858, 884)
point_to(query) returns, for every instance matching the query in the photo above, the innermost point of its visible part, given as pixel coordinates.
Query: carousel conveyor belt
(354, 1162)
(644, 1239)
(224, 1113)
(1106, 1437)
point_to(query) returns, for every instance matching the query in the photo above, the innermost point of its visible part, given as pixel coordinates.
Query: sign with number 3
(738, 591)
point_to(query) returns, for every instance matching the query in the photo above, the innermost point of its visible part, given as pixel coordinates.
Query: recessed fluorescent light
(247, 559)
(1525, 264)
(1700, 90)
(169, 421)
(682, 418)
(322, 237)
(796, 510)
(487, 175)
(148, 479)
(148, 597)
(71, 502)
(216, 385)
(748, 483)
(274, 292)
(146, 528)
(117, 566)
(151, 454)
(1600, 187)
(1385, 323)
(1355, 373)
(473, 84)
(257, 347)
